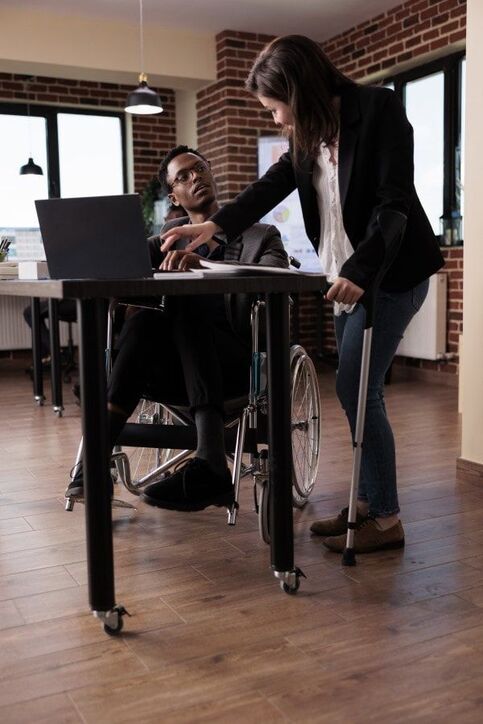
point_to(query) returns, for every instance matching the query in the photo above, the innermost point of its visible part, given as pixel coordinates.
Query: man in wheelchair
(195, 353)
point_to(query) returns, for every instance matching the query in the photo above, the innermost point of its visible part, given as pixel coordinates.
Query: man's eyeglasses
(184, 176)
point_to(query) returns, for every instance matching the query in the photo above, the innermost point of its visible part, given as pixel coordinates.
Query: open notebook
(224, 267)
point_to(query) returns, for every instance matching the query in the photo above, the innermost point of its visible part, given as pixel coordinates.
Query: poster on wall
(287, 216)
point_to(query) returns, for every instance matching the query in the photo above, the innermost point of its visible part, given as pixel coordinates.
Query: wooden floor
(212, 638)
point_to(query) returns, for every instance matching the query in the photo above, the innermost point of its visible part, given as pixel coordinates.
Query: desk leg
(280, 442)
(38, 381)
(55, 363)
(100, 564)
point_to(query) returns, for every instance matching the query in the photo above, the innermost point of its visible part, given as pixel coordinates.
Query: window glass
(90, 155)
(460, 150)
(425, 109)
(21, 137)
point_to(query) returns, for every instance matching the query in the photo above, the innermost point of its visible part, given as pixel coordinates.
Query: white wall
(471, 370)
(63, 45)
(186, 117)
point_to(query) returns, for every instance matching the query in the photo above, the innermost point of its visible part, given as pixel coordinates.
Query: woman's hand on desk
(199, 234)
(344, 291)
(182, 260)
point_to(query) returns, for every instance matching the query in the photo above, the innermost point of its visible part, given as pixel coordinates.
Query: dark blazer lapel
(304, 173)
(233, 249)
(349, 131)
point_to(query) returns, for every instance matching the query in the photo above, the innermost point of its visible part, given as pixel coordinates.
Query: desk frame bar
(91, 314)
(279, 427)
(38, 380)
(55, 361)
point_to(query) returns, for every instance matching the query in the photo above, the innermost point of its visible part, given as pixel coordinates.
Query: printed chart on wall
(287, 216)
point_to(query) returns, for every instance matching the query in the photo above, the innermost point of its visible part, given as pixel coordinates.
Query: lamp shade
(31, 168)
(143, 100)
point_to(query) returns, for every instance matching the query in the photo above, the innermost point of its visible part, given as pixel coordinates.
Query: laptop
(98, 237)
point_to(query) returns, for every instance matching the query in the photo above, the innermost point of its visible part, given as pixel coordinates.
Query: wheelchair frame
(243, 432)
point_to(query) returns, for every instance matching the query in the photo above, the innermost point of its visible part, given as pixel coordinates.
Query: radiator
(14, 333)
(425, 337)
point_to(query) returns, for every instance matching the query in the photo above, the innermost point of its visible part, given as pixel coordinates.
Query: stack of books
(8, 270)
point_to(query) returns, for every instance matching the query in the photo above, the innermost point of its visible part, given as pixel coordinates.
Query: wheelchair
(161, 436)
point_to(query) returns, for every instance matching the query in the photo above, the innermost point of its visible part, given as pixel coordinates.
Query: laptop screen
(98, 237)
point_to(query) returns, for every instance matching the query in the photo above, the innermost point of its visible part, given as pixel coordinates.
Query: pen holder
(3, 256)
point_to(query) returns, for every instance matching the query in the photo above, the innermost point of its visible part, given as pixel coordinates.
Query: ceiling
(320, 19)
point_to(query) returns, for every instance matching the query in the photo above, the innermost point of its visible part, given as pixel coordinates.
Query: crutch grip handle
(392, 225)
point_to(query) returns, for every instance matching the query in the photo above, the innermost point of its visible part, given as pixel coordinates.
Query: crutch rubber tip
(348, 557)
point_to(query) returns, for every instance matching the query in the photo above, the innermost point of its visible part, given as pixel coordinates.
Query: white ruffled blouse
(334, 246)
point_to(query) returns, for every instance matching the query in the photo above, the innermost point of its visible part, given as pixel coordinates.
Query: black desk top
(216, 284)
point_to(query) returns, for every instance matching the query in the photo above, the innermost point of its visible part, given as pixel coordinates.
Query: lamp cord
(29, 134)
(141, 41)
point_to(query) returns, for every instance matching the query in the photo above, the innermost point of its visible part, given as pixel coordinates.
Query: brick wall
(230, 121)
(153, 136)
(410, 30)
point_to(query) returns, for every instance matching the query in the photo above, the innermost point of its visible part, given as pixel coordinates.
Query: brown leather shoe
(334, 526)
(369, 537)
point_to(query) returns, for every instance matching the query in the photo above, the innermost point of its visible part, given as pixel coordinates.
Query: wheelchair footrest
(176, 437)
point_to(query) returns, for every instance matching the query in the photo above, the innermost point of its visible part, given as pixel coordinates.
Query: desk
(92, 299)
(54, 316)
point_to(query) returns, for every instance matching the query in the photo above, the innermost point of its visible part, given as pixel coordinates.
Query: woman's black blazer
(376, 173)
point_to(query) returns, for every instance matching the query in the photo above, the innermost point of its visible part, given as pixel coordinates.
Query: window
(80, 152)
(20, 138)
(90, 155)
(460, 148)
(425, 110)
(433, 96)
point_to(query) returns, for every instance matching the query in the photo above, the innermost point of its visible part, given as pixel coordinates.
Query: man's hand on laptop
(199, 234)
(182, 260)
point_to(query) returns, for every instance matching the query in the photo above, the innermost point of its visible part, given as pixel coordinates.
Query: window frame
(450, 65)
(52, 140)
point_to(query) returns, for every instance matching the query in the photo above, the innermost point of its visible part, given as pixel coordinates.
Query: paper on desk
(178, 274)
(223, 267)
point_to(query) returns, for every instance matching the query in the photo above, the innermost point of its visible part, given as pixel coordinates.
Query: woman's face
(281, 112)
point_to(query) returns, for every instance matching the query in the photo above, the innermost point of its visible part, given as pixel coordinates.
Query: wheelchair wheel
(305, 419)
(143, 460)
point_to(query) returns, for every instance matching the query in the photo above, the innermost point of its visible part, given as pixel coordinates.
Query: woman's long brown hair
(294, 69)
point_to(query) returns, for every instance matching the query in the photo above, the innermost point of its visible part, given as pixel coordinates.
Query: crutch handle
(392, 225)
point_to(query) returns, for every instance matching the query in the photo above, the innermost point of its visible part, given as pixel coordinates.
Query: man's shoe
(75, 489)
(194, 486)
(335, 526)
(369, 537)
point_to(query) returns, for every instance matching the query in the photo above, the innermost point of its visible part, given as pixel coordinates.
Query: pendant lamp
(30, 168)
(143, 99)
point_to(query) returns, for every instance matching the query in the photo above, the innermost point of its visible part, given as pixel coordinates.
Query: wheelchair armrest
(158, 305)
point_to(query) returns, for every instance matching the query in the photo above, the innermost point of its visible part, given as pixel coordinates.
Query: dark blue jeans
(394, 311)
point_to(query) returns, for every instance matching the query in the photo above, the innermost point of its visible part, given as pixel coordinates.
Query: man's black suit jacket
(375, 173)
(259, 244)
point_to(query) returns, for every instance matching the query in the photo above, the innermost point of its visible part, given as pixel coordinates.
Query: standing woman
(351, 158)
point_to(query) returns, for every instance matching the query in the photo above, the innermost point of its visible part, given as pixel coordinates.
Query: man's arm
(273, 251)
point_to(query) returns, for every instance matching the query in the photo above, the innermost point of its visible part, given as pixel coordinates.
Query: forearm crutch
(391, 226)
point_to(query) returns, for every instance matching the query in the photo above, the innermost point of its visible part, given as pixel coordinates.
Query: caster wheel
(291, 590)
(117, 629)
(113, 630)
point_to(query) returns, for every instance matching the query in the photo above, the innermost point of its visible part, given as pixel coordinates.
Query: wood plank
(399, 637)
(45, 710)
